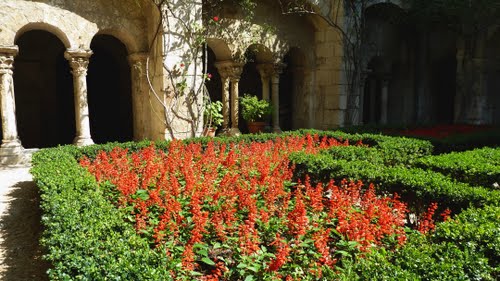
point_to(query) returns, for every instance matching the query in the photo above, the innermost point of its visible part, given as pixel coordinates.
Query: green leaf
(142, 194)
(208, 261)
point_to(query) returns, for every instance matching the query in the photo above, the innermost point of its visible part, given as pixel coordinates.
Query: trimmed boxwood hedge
(420, 185)
(465, 248)
(85, 235)
(87, 238)
(479, 166)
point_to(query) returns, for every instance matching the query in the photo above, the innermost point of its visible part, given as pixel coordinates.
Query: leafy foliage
(88, 238)
(479, 166)
(253, 109)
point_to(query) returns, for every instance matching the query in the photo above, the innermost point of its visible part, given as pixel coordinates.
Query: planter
(256, 127)
(209, 132)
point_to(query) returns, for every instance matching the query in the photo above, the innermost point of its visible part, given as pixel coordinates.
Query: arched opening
(372, 96)
(44, 91)
(291, 88)
(213, 84)
(250, 83)
(492, 65)
(109, 91)
(388, 96)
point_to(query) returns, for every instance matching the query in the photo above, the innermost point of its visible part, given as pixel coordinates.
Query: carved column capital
(7, 54)
(78, 60)
(266, 70)
(230, 69)
(278, 69)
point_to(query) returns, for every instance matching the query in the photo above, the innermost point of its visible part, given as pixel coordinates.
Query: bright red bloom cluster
(241, 196)
(427, 223)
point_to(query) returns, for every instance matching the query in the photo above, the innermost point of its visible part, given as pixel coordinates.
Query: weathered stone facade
(296, 62)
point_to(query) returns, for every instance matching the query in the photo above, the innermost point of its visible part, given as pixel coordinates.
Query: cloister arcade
(93, 71)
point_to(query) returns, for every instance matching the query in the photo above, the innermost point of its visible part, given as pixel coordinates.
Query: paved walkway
(20, 228)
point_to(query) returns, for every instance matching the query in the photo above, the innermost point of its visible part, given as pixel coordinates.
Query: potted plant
(254, 112)
(212, 118)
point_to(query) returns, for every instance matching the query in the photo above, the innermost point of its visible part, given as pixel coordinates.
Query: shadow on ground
(21, 228)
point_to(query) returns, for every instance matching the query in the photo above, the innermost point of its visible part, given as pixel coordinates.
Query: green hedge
(85, 235)
(479, 166)
(465, 248)
(413, 183)
(88, 239)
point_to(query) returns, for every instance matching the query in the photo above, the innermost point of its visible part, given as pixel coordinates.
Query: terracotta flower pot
(256, 127)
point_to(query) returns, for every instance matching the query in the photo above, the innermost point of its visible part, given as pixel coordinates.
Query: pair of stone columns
(230, 73)
(270, 74)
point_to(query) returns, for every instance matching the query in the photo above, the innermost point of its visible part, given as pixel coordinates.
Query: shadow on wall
(20, 230)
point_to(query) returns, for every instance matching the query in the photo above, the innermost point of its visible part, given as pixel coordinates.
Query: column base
(82, 141)
(224, 132)
(229, 132)
(234, 132)
(277, 130)
(12, 154)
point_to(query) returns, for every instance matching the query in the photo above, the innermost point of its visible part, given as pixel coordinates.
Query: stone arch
(45, 27)
(259, 53)
(19, 17)
(220, 49)
(396, 3)
(128, 40)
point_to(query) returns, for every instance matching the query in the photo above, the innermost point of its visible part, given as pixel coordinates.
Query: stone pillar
(79, 61)
(373, 102)
(278, 68)
(477, 107)
(384, 101)
(266, 71)
(10, 142)
(140, 91)
(362, 81)
(236, 71)
(223, 68)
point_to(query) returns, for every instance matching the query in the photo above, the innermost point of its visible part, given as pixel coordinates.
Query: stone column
(476, 100)
(10, 142)
(236, 71)
(223, 68)
(384, 101)
(140, 90)
(79, 61)
(373, 102)
(278, 68)
(362, 82)
(266, 71)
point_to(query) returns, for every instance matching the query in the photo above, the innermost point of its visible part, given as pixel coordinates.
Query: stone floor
(20, 228)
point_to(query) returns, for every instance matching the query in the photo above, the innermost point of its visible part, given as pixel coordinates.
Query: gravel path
(20, 228)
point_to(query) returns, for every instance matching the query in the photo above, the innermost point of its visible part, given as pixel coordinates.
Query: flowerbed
(233, 211)
(95, 231)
